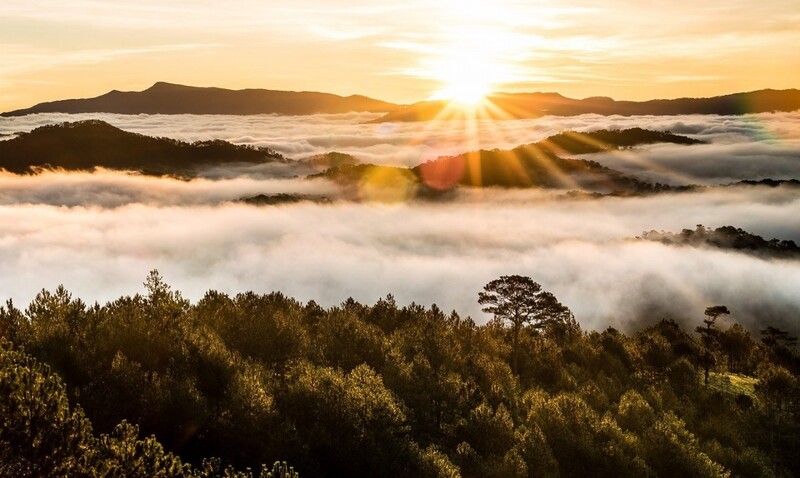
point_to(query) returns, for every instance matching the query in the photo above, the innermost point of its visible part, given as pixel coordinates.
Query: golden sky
(400, 51)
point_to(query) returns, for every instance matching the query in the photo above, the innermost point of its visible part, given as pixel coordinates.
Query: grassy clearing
(733, 384)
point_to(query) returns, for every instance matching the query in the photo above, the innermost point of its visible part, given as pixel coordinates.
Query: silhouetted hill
(726, 237)
(167, 98)
(321, 162)
(573, 142)
(88, 144)
(281, 198)
(540, 164)
(533, 105)
(522, 167)
(771, 183)
(532, 165)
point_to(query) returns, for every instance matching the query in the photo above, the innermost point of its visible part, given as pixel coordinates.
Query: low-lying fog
(100, 233)
(439, 253)
(743, 147)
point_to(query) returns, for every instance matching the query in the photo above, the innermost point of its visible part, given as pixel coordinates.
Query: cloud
(110, 189)
(440, 253)
(100, 233)
(708, 164)
(25, 59)
(764, 145)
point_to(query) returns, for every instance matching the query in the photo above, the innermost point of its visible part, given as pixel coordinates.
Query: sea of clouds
(741, 147)
(100, 233)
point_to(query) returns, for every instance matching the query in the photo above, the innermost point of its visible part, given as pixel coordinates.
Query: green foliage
(671, 450)
(595, 443)
(39, 434)
(127, 456)
(360, 390)
(339, 415)
(521, 302)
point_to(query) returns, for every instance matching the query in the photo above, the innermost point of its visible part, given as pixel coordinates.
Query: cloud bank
(110, 189)
(441, 253)
(100, 233)
(742, 147)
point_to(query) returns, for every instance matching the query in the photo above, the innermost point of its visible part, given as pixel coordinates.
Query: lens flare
(387, 185)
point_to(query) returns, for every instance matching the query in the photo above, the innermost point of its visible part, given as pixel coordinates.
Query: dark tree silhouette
(778, 389)
(520, 301)
(737, 345)
(709, 337)
(774, 337)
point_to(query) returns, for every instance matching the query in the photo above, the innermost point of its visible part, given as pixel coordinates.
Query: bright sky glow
(398, 51)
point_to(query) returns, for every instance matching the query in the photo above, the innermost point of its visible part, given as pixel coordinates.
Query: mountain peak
(163, 85)
(170, 98)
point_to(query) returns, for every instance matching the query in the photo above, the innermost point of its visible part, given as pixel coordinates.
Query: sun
(466, 91)
(472, 55)
(470, 64)
(465, 79)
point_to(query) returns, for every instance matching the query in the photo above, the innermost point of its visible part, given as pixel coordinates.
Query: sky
(398, 51)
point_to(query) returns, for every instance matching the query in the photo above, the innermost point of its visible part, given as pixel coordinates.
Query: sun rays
(528, 164)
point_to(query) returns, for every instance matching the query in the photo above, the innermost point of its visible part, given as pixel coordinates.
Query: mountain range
(168, 98)
(534, 165)
(534, 105)
(89, 144)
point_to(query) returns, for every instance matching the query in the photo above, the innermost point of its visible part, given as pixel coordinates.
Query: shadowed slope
(534, 105)
(533, 165)
(89, 144)
(726, 237)
(538, 165)
(573, 142)
(167, 98)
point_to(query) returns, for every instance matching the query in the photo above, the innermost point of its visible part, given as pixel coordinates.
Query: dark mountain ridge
(726, 237)
(534, 105)
(532, 165)
(168, 98)
(85, 145)
(574, 142)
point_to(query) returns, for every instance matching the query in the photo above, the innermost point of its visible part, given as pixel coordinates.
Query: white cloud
(100, 233)
(24, 59)
(752, 146)
(110, 189)
(440, 253)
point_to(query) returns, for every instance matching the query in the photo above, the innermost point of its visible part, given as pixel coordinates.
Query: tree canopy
(154, 385)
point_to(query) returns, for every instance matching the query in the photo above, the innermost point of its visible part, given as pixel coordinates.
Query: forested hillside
(384, 390)
(84, 145)
(726, 237)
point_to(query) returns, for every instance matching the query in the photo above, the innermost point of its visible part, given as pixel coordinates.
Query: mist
(767, 144)
(707, 164)
(108, 189)
(581, 250)
(100, 232)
